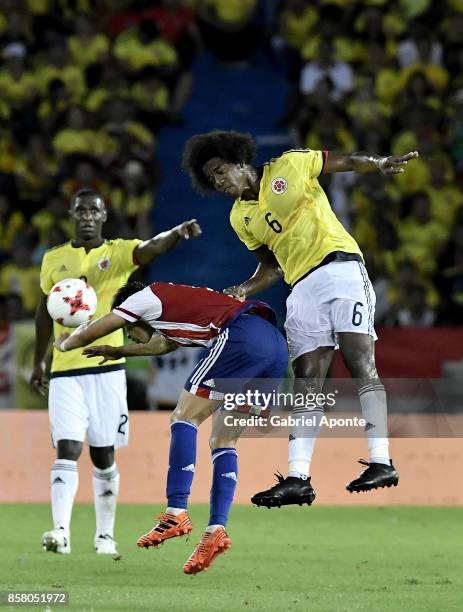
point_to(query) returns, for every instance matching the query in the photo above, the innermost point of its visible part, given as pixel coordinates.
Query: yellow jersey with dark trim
(106, 269)
(293, 216)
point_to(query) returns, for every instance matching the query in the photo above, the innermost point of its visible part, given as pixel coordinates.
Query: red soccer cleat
(210, 547)
(168, 526)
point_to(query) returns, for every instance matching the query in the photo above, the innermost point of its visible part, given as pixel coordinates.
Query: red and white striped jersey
(187, 315)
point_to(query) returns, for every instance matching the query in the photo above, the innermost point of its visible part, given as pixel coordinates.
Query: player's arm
(147, 251)
(367, 162)
(157, 345)
(268, 272)
(85, 334)
(43, 333)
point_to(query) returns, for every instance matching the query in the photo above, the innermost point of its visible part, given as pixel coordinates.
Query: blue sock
(225, 474)
(182, 460)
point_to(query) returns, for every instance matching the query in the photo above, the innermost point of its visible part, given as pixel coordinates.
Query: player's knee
(221, 441)
(69, 449)
(191, 414)
(361, 365)
(102, 456)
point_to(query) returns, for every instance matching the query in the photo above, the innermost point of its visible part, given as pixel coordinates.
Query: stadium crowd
(386, 76)
(86, 85)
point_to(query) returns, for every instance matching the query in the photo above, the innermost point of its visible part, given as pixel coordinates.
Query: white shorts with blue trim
(90, 406)
(335, 298)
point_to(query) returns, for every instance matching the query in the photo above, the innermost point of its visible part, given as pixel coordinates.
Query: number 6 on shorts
(357, 315)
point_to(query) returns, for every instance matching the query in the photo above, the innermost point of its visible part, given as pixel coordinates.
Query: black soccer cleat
(376, 476)
(288, 491)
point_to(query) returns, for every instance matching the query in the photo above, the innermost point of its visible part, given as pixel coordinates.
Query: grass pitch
(299, 559)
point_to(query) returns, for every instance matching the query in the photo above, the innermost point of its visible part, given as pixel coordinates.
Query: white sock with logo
(64, 480)
(302, 443)
(374, 410)
(105, 492)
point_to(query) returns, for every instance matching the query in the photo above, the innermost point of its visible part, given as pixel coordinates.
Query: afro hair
(233, 147)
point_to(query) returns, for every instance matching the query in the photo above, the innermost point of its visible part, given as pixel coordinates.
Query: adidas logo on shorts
(209, 383)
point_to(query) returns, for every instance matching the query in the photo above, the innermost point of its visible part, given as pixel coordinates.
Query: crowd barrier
(428, 466)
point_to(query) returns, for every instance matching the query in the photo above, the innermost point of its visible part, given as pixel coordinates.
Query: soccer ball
(72, 302)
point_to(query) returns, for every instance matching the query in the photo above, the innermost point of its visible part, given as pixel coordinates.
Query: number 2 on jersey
(124, 419)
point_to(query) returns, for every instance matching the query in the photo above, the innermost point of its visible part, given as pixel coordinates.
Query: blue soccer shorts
(247, 349)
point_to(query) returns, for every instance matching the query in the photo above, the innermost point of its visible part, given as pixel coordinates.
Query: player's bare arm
(43, 333)
(268, 272)
(85, 334)
(367, 162)
(362, 161)
(157, 345)
(147, 251)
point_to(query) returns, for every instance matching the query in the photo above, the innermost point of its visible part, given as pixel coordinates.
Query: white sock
(64, 480)
(174, 511)
(212, 528)
(302, 443)
(105, 491)
(374, 409)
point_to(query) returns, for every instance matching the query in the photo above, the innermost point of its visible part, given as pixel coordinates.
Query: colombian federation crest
(279, 185)
(104, 263)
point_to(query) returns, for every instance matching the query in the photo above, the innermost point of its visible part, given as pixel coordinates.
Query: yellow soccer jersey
(106, 269)
(293, 217)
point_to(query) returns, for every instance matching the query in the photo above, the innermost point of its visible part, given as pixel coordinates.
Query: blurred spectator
(17, 84)
(133, 199)
(449, 278)
(177, 24)
(325, 66)
(228, 29)
(55, 64)
(86, 46)
(143, 46)
(76, 137)
(421, 237)
(11, 223)
(413, 310)
(21, 277)
(296, 23)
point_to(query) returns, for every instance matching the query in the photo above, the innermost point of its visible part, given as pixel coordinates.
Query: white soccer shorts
(92, 406)
(335, 298)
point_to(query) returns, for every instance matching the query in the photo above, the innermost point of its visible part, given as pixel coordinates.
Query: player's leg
(352, 314)
(310, 371)
(359, 356)
(310, 334)
(215, 539)
(190, 412)
(225, 468)
(68, 421)
(105, 492)
(106, 396)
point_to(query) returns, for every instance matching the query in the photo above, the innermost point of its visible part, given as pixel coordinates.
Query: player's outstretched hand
(109, 353)
(189, 229)
(38, 381)
(236, 291)
(395, 164)
(59, 341)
